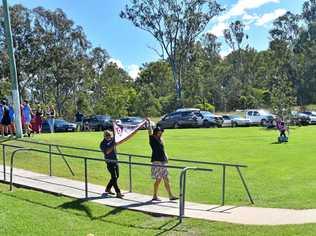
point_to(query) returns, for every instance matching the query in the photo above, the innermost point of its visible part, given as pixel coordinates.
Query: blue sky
(130, 47)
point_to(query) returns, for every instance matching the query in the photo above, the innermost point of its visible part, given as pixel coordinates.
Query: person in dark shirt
(79, 120)
(6, 121)
(160, 158)
(108, 147)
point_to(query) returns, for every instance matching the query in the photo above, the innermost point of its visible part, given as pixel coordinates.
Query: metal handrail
(134, 155)
(182, 175)
(223, 165)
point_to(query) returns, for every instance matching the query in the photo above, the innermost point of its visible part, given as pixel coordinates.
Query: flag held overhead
(123, 132)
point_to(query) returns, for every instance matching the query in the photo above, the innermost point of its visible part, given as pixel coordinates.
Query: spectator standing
(79, 120)
(1, 116)
(26, 117)
(5, 122)
(38, 120)
(51, 115)
(12, 119)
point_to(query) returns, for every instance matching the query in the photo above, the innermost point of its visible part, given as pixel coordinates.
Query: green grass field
(26, 212)
(278, 175)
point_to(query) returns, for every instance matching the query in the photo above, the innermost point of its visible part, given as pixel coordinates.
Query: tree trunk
(177, 79)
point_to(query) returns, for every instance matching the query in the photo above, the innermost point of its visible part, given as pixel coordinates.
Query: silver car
(235, 120)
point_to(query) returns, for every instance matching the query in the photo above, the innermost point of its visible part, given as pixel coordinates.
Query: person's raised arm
(149, 128)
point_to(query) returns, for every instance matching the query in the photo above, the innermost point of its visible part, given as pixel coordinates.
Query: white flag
(124, 132)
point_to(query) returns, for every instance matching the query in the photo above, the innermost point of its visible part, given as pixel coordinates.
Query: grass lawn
(27, 212)
(278, 175)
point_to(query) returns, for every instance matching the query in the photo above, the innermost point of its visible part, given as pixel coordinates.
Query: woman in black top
(6, 121)
(160, 158)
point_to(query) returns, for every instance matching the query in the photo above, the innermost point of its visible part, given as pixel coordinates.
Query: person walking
(51, 114)
(108, 147)
(159, 161)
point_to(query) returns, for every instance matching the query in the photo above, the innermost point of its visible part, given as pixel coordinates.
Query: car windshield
(59, 122)
(103, 117)
(264, 113)
(132, 119)
(234, 117)
(207, 113)
(136, 119)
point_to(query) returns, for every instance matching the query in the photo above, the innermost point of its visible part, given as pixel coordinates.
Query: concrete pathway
(140, 202)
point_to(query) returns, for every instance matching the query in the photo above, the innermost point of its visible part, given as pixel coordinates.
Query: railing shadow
(78, 204)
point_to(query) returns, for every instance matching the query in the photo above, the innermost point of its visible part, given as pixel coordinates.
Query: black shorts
(6, 120)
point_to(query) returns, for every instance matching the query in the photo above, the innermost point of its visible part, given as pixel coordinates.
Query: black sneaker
(119, 195)
(156, 199)
(109, 192)
(173, 198)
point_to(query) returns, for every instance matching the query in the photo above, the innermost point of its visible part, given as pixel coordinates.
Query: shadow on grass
(78, 205)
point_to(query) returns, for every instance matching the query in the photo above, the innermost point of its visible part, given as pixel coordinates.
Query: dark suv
(97, 122)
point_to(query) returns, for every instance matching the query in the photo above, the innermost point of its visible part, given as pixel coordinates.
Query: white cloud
(268, 17)
(225, 53)
(239, 9)
(248, 17)
(133, 71)
(242, 6)
(117, 62)
(218, 29)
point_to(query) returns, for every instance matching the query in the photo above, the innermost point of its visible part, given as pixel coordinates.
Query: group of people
(31, 120)
(159, 161)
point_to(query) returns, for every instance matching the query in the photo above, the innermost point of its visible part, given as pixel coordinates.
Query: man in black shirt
(79, 120)
(108, 148)
(159, 159)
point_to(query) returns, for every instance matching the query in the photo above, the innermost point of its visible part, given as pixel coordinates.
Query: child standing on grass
(282, 128)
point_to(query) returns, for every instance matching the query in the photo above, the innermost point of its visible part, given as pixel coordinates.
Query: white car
(311, 115)
(234, 121)
(259, 117)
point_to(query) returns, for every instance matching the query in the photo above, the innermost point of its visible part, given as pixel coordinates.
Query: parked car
(260, 117)
(208, 119)
(311, 115)
(133, 121)
(97, 122)
(190, 117)
(179, 119)
(60, 125)
(234, 121)
(299, 118)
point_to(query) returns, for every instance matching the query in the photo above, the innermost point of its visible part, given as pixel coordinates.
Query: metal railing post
(245, 185)
(181, 197)
(64, 159)
(130, 173)
(11, 164)
(223, 185)
(50, 159)
(86, 177)
(182, 192)
(3, 161)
